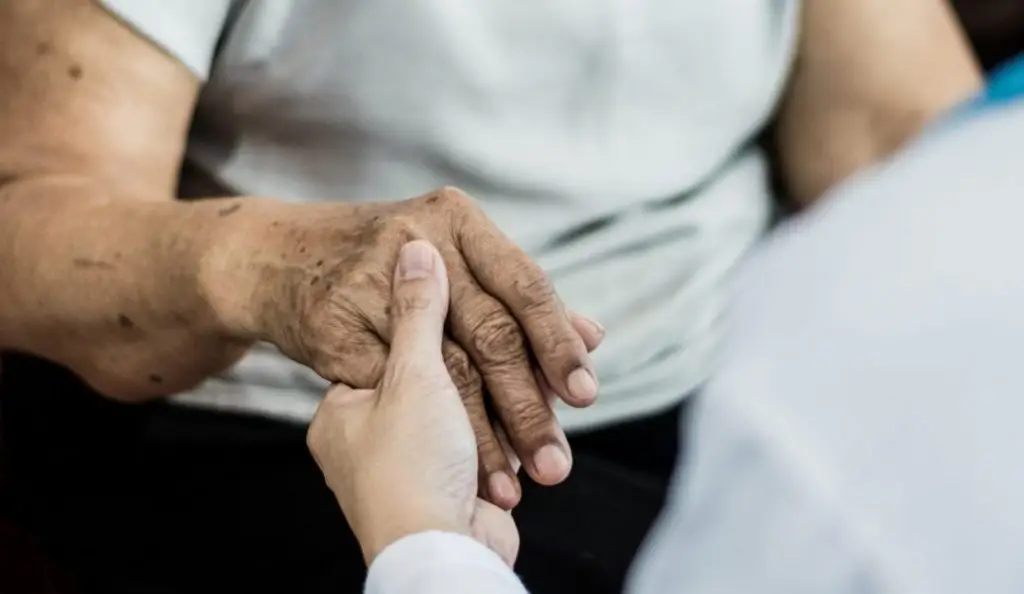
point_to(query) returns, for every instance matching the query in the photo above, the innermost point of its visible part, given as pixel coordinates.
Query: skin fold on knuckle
(368, 287)
(528, 422)
(540, 307)
(497, 341)
(462, 372)
(412, 301)
(537, 294)
(451, 197)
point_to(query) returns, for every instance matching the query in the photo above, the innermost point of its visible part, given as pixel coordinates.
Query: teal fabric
(1006, 84)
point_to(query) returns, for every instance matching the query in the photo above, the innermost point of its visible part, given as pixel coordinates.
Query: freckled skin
(144, 296)
(93, 120)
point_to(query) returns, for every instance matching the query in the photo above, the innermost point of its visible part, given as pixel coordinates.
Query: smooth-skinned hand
(402, 458)
(320, 280)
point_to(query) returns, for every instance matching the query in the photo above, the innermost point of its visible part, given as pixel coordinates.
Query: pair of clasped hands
(403, 458)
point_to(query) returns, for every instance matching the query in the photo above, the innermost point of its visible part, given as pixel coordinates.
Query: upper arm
(869, 75)
(83, 93)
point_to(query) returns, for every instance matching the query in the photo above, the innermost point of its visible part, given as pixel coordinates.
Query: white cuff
(440, 562)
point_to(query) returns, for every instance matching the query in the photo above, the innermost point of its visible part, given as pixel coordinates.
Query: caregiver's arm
(440, 563)
(869, 75)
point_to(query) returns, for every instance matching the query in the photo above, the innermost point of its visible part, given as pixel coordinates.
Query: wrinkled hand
(402, 458)
(323, 282)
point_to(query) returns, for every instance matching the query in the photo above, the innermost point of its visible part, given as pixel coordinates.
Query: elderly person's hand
(402, 458)
(316, 281)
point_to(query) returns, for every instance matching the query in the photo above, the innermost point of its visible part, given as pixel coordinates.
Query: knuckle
(528, 421)
(397, 220)
(539, 296)
(389, 230)
(408, 304)
(487, 441)
(454, 197)
(403, 226)
(372, 280)
(490, 455)
(463, 374)
(497, 340)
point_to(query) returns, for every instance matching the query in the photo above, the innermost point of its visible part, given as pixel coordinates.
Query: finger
(419, 304)
(497, 478)
(545, 388)
(510, 454)
(551, 398)
(495, 343)
(507, 273)
(496, 529)
(590, 331)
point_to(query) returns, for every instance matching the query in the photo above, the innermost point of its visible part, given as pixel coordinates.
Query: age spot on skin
(125, 322)
(75, 71)
(43, 48)
(229, 210)
(88, 263)
(156, 379)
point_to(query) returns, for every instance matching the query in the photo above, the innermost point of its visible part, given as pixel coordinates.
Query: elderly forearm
(117, 290)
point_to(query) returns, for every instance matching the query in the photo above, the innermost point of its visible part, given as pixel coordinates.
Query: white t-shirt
(611, 140)
(863, 433)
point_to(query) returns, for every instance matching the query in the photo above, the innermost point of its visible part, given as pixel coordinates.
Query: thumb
(419, 304)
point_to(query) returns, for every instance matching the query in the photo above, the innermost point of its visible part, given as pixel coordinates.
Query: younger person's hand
(402, 458)
(315, 281)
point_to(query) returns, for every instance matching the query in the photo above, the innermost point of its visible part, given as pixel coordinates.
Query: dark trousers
(157, 499)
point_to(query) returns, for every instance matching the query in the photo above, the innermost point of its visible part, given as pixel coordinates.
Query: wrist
(231, 277)
(378, 533)
(374, 543)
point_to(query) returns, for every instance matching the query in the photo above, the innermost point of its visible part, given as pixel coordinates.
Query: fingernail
(416, 260)
(582, 385)
(551, 462)
(598, 328)
(501, 488)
